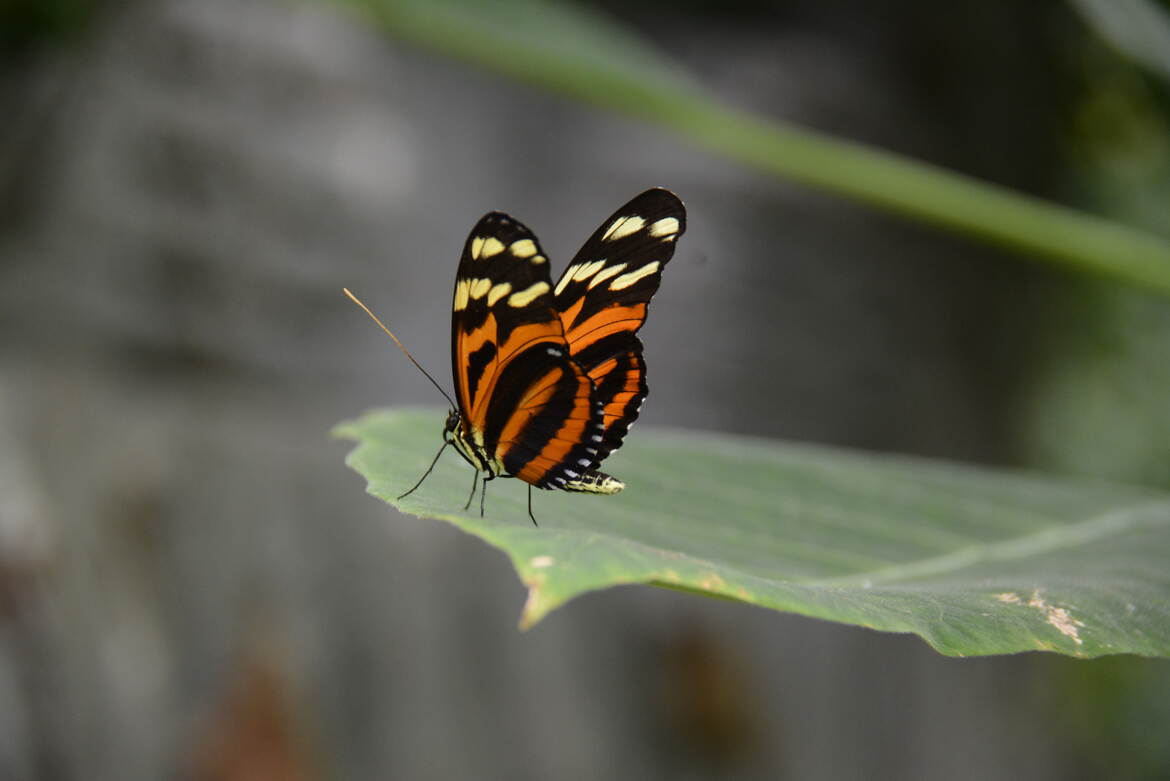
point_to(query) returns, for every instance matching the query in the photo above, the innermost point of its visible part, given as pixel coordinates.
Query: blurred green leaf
(29, 22)
(975, 561)
(579, 52)
(1138, 29)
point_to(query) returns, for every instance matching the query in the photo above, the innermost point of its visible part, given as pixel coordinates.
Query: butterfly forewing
(524, 402)
(602, 300)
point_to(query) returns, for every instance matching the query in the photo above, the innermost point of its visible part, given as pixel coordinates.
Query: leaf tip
(536, 607)
(344, 430)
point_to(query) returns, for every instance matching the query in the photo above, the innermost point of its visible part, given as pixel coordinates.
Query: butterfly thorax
(469, 444)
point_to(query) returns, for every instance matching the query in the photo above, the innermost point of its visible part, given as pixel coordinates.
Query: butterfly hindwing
(524, 402)
(602, 300)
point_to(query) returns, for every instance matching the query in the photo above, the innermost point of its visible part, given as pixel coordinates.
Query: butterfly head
(451, 427)
(468, 444)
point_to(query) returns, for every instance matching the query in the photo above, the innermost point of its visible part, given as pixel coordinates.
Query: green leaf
(580, 53)
(975, 561)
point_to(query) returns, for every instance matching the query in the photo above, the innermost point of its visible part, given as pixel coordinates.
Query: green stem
(1055, 233)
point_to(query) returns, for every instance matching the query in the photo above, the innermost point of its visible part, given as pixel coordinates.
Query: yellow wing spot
(491, 247)
(478, 288)
(606, 274)
(476, 247)
(498, 291)
(524, 248)
(579, 273)
(587, 270)
(461, 288)
(538, 259)
(625, 280)
(667, 226)
(566, 278)
(623, 226)
(528, 295)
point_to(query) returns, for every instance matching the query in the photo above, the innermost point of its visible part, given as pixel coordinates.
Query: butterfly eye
(452, 423)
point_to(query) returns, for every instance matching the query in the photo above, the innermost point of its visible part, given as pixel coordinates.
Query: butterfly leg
(474, 480)
(483, 492)
(426, 473)
(530, 515)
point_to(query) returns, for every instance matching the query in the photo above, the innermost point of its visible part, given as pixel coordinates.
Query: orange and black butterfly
(549, 378)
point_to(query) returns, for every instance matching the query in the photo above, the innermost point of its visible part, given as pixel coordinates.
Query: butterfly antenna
(390, 333)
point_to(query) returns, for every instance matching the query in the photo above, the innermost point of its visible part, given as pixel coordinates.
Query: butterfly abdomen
(594, 482)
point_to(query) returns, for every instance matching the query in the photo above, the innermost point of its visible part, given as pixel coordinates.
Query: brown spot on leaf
(1058, 617)
(712, 582)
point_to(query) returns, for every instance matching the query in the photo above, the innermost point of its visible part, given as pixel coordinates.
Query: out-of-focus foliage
(25, 22)
(1118, 710)
(581, 55)
(1099, 401)
(1139, 28)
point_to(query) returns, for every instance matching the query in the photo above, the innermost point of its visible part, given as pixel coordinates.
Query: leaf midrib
(1047, 540)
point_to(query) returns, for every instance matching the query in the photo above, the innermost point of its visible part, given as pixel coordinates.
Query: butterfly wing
(603, 297)
(524, 402)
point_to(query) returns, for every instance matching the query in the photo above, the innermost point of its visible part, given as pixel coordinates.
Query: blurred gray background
(194, 587)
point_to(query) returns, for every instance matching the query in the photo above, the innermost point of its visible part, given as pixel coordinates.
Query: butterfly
(549, 378)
